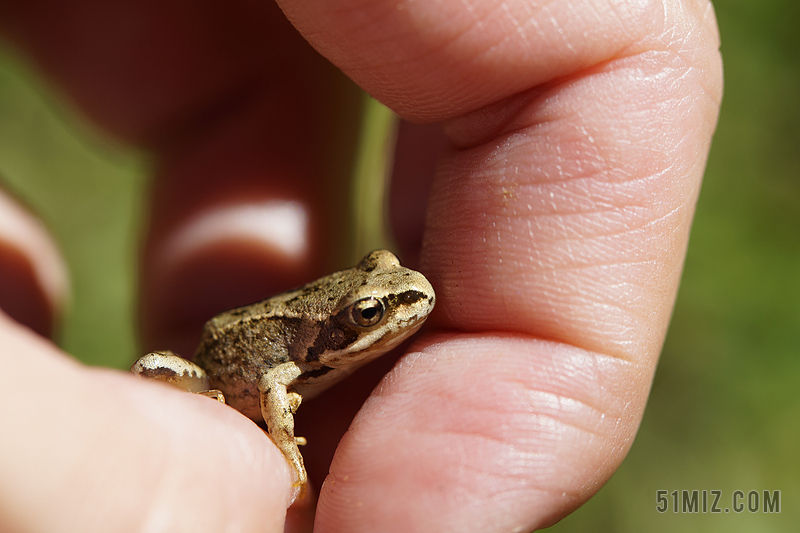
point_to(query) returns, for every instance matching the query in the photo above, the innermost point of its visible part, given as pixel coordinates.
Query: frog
(264, 359)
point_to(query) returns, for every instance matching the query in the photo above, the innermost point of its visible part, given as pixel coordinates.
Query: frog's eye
(367, 312)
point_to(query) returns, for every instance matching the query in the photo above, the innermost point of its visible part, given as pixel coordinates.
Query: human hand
(555, 235)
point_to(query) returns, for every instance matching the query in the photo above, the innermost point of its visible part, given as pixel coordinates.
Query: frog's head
(384, 304)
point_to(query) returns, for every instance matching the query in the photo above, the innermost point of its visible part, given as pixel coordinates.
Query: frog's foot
(278, 406)
(175, 370)
(294, 402)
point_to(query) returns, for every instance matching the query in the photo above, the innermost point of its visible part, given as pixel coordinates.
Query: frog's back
(238, 346)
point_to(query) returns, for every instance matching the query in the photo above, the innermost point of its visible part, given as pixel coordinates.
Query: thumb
(88, 449)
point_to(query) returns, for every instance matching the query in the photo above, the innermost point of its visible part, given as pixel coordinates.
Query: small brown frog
(262, 359)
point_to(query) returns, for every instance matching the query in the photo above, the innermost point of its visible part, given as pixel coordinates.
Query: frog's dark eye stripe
(407, 297)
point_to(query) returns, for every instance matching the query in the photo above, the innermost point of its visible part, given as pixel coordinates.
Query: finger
(33, 277)
(450, 58)
(146, 456)
(489, 432)
(580, 134)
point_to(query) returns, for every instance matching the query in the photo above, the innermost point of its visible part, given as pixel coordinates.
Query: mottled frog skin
(262, 359)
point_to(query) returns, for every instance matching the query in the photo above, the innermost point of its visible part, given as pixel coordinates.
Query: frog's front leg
(278, 406)
(171, 368)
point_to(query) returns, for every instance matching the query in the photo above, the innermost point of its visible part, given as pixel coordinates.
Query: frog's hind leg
(175, 370)
(278, 406)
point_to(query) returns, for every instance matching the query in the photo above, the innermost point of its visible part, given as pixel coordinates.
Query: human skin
(555, 233)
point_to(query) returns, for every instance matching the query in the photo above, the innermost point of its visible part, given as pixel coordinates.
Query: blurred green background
(724, 413)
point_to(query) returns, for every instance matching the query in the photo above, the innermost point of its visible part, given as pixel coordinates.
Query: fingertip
(149, 456)
(197, 461)
(33, 277)
(488, 419)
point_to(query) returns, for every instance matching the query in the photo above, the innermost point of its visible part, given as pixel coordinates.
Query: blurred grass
(724, 413)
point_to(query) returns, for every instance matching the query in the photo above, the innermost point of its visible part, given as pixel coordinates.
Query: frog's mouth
(377, 343)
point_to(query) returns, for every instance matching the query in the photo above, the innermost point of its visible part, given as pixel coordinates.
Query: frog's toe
(214, 393)
(294, 401)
